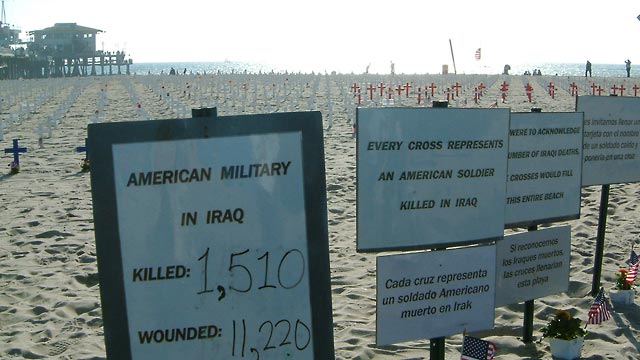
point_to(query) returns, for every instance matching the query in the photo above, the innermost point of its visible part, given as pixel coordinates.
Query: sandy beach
(49, 291)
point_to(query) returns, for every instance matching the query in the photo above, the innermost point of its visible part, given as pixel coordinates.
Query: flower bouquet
(566, 334)
(14, 168)
(622, 292)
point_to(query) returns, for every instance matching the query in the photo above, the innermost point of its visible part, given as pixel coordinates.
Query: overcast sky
(346, 35)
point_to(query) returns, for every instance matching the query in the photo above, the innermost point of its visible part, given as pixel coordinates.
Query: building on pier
(64, 49)
(68, 49)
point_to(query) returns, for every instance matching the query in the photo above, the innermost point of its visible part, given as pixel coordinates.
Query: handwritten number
(266, 271)
(268, 345)
(233, 266)
(298, 322)
(302, 336)
(233, 340)
(302, 265)
(244, 336)
(205, 256)
(285, 340)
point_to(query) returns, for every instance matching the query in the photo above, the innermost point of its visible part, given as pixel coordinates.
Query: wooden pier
(63, 50)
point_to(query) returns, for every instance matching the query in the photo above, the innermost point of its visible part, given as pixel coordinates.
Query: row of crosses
(16, 150)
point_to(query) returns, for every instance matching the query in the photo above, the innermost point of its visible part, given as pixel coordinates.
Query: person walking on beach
(628, 67)
(587, 70)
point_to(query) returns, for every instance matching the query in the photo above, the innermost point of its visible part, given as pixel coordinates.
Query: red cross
(600, 90)
(551, 88)
(456, 86)
(381, 87)
(481, 87)
(399, 89)
(354, 88)
(406, 89)
(359, 97)
(615, 89)
(635, 90)
(371, 88)
(574, 89)
(432, 87)
(528, 88)
(622, 89)
(593, 88)
(503, 90)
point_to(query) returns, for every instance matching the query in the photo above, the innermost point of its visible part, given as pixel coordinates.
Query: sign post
(611, 154)
(436, 165)
(545, 154)
(436, 168)
(205, 252)
(430, 295)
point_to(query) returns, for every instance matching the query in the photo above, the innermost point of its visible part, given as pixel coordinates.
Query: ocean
(561, 69)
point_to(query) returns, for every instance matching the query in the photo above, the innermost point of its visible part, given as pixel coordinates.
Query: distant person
(172, 71)
(505, 70)
(393, 68)
(628, 67)
(587, 69)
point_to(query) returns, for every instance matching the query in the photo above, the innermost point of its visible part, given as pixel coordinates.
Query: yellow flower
(563, 314)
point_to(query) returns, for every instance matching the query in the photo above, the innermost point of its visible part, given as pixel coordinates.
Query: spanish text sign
(545, 168)
(533, 264)
(433, 294)
(214, 238)
(611, 139)
(424, 172)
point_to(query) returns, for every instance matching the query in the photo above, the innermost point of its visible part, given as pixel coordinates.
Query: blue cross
(15, 150)
(84, 149)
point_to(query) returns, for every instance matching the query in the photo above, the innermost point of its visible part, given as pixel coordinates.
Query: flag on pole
(633, 262)
(477, 349)
(598, 312)
(478, 54)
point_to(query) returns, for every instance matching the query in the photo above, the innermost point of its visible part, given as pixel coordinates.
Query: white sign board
(611, 138)
(533, 264)
(207, 246)
(433, 294)
(423, 172)
(545, 167)
(208, 237)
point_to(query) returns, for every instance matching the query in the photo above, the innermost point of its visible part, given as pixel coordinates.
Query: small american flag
(598, 312)
(478, 54)
(633, 267)
(477, 349)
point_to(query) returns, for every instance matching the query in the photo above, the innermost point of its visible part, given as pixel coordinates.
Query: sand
(49, 291)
